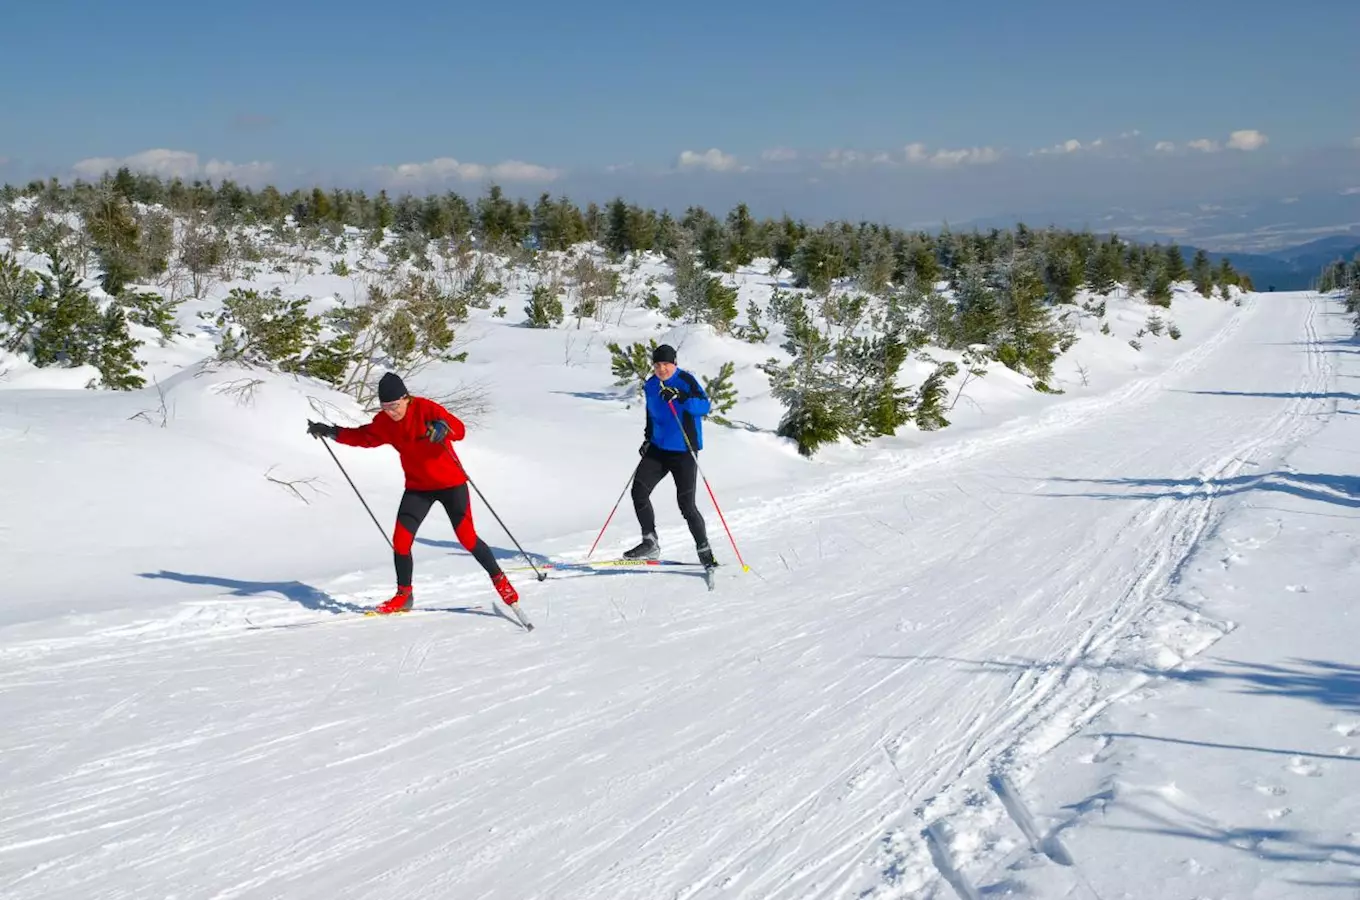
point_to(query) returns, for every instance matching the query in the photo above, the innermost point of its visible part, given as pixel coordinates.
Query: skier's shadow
(302, 594)
(498, 552)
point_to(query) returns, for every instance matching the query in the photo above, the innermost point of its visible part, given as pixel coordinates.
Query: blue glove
(437, 431)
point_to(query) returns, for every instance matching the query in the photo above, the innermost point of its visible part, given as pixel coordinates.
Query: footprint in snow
(1300, 766)
(1271, 790)
(1347, 729)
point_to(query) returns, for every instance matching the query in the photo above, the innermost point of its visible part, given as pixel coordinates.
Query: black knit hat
(665, 353)
(390, 387)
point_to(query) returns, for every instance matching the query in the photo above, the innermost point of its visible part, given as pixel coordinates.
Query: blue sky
(801, 104)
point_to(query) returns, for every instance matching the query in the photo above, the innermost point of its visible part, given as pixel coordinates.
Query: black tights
(415, 505)
(656, 465)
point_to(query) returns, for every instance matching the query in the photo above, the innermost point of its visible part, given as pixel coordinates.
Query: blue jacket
(691, 406)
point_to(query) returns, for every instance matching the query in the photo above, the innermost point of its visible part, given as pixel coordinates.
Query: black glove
(321, 429)
(646, 445)
(670, 394)
(436, 431)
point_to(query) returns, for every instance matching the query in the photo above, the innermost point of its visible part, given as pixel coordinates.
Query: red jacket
(428, 466)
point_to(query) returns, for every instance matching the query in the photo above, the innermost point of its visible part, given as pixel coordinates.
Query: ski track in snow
(910, 631)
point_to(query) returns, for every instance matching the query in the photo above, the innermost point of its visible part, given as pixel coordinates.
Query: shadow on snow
(302, 594)
(1343, 490)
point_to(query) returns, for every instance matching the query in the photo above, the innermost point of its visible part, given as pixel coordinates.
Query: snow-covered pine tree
(1027, 339)
(813, 415)
(930, 411)
(977, 309)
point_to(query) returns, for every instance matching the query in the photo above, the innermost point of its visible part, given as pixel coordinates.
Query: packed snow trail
(906, 632)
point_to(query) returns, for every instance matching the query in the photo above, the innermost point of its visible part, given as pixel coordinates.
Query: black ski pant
(656, 465)
(415, 505)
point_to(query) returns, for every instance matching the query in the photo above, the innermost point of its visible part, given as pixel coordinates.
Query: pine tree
(721, 393)
(68, 327)
(978, 312)
(1202, 274)
(617, 238)
(813, 415)
(868, 369)
(113, 232)
(544, 308)
(742, 236)
(788, 235)
(930, 411)
(1175, 264)
(1159, 287)
(1106, 269)
(1028, 336)
(115, 354)
(631, 365)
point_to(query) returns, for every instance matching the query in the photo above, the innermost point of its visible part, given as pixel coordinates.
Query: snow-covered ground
(1122, 608)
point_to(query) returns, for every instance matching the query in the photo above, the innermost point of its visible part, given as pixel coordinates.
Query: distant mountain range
(1290, 268)
(1282, 242)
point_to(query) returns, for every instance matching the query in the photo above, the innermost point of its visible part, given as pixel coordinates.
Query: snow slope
(190, 714)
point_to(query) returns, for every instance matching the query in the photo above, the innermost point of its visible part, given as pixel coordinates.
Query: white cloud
(917, 154)
(779, 154)
(173, 164)
(712, 159)
(446, 168)
(1072, 145)
(1164, 147)
(845, 159)
(1204, 145)
(1350, 191)
(514, 170)
(1247, 139)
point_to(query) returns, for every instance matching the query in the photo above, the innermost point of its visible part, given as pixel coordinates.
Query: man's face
(664, 370)
(397, 408)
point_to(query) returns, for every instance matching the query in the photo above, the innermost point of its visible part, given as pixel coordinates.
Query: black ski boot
(650, 548)
(710, 565)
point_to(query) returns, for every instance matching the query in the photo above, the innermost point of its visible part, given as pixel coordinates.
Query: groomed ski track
(907, 632)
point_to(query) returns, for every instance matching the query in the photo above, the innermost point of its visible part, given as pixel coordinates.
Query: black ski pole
(614, 510)
(541, 575)
(360, 496)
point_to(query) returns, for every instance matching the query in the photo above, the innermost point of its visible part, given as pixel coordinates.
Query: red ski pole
(711, 496)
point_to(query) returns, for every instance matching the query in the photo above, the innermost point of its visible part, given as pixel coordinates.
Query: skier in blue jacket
(676, 405)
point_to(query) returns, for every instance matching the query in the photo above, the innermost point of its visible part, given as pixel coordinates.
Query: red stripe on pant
(467, 535)
(402, 540)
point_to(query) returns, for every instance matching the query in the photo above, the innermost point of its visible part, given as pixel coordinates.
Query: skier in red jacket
(418, 429)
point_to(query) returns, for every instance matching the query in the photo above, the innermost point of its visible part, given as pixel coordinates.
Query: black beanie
(390, 387)
(665, 353)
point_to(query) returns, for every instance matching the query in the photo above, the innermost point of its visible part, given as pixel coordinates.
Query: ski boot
(401, 602)
(505, 588)
(709, 563)
(650, 548)
(510, 597)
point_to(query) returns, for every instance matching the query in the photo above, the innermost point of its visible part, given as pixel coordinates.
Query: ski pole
(356, 491)
(541, 575)
(612, 511)
(711, 496)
